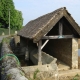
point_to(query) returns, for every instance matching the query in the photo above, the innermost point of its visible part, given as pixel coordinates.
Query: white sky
(32, 9)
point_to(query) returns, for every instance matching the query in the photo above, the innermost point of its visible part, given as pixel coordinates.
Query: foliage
(8, 77)
(35, 75)
(6, 31)
(16, 19)
(5, 40)
(76, 77)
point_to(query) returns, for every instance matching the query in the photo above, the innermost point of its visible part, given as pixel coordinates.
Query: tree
(1, 15)
(18, 19)
(5, 6)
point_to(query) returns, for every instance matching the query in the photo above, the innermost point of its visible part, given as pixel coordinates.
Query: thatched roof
(37, 28)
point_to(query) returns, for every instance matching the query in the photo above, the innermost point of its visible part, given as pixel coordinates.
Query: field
(6, 31)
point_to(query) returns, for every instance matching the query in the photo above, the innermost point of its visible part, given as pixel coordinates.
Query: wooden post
(60, 28)
(39, 52)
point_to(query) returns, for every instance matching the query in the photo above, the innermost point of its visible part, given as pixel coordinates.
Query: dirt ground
(71, 77)
(68, 74)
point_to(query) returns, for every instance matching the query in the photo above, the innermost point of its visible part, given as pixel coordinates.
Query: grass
(76, 77)
(35, 75)
(5, 40)
(6, 31)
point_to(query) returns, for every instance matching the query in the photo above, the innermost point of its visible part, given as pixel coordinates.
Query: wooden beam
(50, 37)
(57, 37)
(60, 28)
(68, 36)
(39, 52)
(44, 44)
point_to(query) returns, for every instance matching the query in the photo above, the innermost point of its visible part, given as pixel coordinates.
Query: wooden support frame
(44, 44)
(39, 52)
(60, 28)
(57, 37)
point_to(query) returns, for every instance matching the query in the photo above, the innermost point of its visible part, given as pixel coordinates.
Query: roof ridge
(72, 17)
(49, 20)
(56, 10)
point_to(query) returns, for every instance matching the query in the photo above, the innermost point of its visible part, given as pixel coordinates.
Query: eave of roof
(35, 29)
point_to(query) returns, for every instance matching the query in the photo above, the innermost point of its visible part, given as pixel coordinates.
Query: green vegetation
(35, 75)
(16, 20)
(22, 73)
(8, 77)
(76, 77)
(5, 40)
(6, 31)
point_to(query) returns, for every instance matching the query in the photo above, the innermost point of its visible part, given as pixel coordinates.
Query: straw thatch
(37, 28)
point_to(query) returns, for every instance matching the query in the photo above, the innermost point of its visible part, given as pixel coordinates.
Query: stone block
(74, 53)
(78, 43)
(16, 40)
(46, 72)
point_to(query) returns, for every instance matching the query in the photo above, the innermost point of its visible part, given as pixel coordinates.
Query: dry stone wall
(11, 70)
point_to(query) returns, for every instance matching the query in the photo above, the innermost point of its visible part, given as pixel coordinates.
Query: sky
(32, 9)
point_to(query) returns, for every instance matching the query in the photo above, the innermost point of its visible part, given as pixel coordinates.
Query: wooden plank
(39, 50)
(50, 37)
(57, 37)
(60, 28)
(68, 36)
(44, 44)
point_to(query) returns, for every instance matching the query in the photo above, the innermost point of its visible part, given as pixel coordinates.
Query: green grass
(35, 75)
(76, 77)
(6, 31)
(6, 40)
(0, 49)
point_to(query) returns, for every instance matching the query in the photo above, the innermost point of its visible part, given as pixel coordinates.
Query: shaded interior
(67, 28)
(58, 48)
(61, 48)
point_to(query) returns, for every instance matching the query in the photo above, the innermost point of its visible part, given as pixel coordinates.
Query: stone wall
(44, 72)
(78, 43)
(16, 40)
(61, 49)
(74, 53)
(10, 68)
